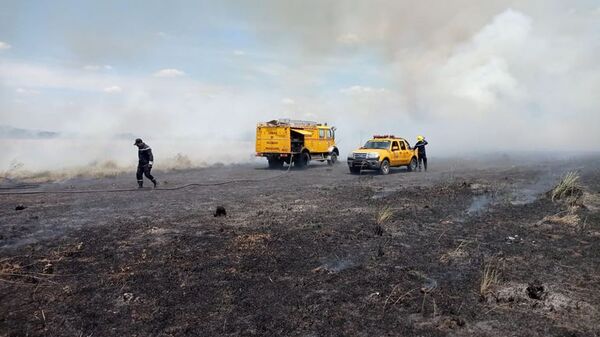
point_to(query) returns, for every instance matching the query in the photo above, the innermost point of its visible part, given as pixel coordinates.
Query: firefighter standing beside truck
(420, 146)
(145, 161)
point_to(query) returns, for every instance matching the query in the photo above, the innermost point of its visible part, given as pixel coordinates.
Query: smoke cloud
(483, 75)
(468, 75)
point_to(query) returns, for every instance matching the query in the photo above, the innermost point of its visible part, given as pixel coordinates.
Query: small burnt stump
(48, 269)
(220, 211)
(536, 290)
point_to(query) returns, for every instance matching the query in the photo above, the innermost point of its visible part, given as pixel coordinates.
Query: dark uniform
(145, 161)
(420, 145)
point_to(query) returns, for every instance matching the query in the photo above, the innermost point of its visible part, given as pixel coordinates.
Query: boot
(155, 183)
(140, 184)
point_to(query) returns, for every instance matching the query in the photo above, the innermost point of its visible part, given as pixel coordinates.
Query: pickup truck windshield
(378, 144)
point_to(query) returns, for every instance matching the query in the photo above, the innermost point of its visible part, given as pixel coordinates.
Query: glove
(150, 164)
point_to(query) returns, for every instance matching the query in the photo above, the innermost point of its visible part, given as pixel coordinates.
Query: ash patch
(527, 193)
(540, 297)
(384, 193)
(336, 265)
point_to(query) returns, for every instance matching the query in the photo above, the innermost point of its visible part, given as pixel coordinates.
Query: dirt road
(465, 250)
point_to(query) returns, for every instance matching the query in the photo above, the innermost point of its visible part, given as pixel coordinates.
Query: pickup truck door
(395, 160)
(406, 153)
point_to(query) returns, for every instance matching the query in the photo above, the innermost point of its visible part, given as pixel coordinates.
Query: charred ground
(317, 252)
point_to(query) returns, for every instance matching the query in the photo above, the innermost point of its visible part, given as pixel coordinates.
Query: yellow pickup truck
(381, 153)
(293, 141)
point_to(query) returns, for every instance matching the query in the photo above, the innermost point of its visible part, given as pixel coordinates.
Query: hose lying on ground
(19, 187)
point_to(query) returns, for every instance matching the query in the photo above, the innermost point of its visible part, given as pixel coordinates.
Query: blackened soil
(304, 254)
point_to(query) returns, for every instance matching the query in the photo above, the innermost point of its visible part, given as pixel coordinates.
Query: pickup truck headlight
(372, 155)
(351, 155)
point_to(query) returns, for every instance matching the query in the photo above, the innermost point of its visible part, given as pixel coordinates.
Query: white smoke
(499, 75)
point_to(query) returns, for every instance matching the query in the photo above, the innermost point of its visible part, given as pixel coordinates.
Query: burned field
(318, 252)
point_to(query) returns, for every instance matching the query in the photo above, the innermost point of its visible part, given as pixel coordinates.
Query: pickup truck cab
(381, 153)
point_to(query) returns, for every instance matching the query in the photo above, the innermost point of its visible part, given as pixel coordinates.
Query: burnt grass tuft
(300, 256)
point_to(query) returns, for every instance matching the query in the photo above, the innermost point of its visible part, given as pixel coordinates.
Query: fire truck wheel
(332, 158)
(303, 160)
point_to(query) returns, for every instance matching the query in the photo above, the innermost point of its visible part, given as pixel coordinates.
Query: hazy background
(194, 77)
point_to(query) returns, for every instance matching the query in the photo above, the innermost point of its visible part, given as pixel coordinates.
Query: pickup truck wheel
(385, 167)
(332, 159)
(413, 165)
(354, 170)
(303, 160)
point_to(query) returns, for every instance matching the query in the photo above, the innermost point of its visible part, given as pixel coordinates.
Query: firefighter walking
(145, 161)
(420, 146)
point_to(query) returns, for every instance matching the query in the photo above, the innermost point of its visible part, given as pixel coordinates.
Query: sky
(466, 74)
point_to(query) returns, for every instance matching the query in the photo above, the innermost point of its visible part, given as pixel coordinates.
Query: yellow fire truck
(294, 141)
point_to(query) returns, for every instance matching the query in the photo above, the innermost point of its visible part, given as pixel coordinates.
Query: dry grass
(64, 251)
(384, 215)
(569, 219)
(8, 268)
(96, 169)
(14, 273)
(459, 253)
(569, 188)
(489, 278)
(179, 161)
(591, 201)
(251, 241)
